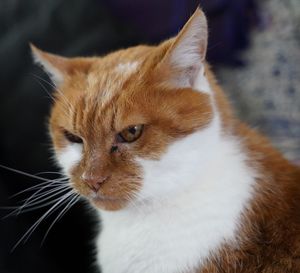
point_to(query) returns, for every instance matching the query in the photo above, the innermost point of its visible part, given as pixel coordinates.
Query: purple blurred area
(229, 22)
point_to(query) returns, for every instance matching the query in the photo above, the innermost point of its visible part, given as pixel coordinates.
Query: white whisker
(48, 212)
(51, 184)
(35, 208)
(31, 207)
(41, 198)
(40, 185)
(61, 214)
(60, 173)
(23, 173)
(66, 102)
(37, 79)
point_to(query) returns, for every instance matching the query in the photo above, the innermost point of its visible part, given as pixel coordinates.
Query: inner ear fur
(58, 67)
(186, 53)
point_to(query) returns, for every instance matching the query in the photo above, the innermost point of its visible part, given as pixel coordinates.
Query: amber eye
(71, 137)
(130, 134)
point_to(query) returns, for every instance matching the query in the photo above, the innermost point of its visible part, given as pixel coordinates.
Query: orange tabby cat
(181, 185)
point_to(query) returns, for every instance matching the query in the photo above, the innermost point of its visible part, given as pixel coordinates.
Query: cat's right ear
(58, 67)
(55, 66)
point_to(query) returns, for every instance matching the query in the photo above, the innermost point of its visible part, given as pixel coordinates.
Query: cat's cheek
(69, 156)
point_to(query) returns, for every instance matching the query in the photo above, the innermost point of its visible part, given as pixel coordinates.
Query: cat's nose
(94, 182)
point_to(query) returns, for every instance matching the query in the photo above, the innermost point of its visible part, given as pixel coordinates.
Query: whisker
(61, 214)
(61, 203)
(49, 182)
(46, 214)
(60, 173)
(37, 79)
(23, 173)
(67, 103)
(40, 199)
(41, 206)
(32, 209)
(48, 185)
(49, 194)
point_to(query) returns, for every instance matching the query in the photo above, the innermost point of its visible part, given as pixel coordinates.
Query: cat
(147, 135)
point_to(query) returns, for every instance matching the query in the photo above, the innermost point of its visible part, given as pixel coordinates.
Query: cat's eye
(130, 134)
(72, 138)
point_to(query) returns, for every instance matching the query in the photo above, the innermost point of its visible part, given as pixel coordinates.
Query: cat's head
(127, 127)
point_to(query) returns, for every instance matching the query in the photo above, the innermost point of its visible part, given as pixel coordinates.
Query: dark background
(73, 28)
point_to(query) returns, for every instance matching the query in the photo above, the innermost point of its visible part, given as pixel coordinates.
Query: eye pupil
(72, 138)
(132, 130)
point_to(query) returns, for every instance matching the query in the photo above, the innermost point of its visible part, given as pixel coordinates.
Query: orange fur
(270, 235)
(139, 100)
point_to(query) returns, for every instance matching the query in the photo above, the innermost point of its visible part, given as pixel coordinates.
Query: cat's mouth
(106, 202)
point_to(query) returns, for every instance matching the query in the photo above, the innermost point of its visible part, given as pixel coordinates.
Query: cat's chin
(107, 203)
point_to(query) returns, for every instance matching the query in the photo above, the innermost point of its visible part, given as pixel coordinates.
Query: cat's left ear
(185, 57)
(58, 67)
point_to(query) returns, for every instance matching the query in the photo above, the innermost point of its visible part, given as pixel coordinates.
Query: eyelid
(136, 118)
(139, 122)
(71, 137)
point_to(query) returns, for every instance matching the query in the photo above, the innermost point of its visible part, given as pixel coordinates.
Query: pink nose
(94, 182)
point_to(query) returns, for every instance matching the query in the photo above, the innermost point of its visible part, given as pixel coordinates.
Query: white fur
(55, 75)
(127, 68)
(69, 156)
(201, 83)
(190, 203)
(120, 74)
(195, 196)
(189, 51)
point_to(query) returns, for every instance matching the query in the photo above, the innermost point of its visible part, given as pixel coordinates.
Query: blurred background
(254, 49)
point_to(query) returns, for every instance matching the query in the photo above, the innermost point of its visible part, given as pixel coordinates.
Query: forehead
(92, 95)
(103, 85)
(107, 76)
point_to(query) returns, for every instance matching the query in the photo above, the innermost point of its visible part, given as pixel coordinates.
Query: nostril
(93, 187)
(94, 183)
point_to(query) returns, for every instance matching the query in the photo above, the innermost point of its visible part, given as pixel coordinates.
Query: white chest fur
(178, 233)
